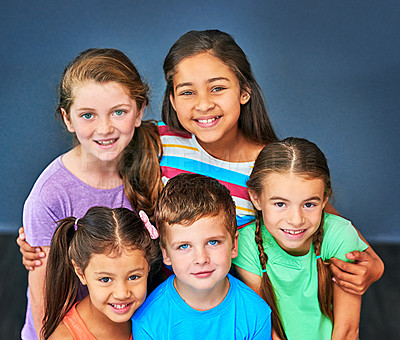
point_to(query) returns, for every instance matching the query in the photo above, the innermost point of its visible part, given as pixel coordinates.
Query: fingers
(350, 279)
(30, 255)
(358, 256)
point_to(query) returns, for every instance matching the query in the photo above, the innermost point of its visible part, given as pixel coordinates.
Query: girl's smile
(292, 208)
(207, 99)
(104, 118)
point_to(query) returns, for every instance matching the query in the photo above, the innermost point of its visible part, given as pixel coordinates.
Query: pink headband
(152, 230)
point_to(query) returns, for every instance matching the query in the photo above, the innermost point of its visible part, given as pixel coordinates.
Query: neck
(235, 148)
(92, 171)
(99, 324)
(202, 299)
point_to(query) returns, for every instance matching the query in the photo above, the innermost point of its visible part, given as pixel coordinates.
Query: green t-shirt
(295, 278)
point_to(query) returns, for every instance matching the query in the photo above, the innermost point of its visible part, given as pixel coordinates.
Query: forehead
(117, 262)
(91, 90)
(202, 66)
(287, 185)
(204, 228)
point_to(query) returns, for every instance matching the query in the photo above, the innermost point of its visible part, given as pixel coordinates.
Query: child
(195, 216)
(114, 163)
(284, 255)
(111, 251)
(217, 123)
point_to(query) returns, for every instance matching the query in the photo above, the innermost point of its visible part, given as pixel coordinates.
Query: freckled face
(292, 207)
(117, 284)
(104, 118)
(200, 254)
(207, 98)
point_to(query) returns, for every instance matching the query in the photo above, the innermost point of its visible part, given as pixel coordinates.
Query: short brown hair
(188, 197)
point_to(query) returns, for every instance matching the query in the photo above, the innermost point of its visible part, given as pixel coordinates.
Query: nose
(204, 102)
(104, 126)
(201, 257)
(121, 291)
(295, 217)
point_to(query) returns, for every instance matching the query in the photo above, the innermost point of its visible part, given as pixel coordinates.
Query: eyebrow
(277, 198)
(209, 81)
(111, 274)
(112, 108)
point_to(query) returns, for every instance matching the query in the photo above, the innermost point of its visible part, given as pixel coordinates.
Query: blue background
(330, 71)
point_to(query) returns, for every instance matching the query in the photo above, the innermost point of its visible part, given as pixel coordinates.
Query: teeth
(204, 121)
(119, 306)
(293, 232)
(106, 142)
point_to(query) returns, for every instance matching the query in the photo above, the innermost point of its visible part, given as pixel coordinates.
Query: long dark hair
(253, 121)
(101, 230)
(302, 157)
(139, 165)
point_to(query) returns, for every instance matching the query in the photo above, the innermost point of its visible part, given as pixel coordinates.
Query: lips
(294, 234)
(106, 142)
(120, 308)
(203, 274)
(207, 121)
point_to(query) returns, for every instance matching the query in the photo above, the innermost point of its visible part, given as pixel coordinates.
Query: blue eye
(186, 93)
(134, 277)
(280, 204)
(213, 242)
(309, 205)
(183, 246)
(218, 88)
(87, 116)
(105, 279)
(119, 113)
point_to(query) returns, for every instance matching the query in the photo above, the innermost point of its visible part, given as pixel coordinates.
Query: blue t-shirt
(165, 315)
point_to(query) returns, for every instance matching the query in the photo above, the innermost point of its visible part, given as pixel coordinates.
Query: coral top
(77, 327)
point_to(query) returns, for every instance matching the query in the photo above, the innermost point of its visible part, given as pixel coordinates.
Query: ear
(166, 258)
(254, 199)
(66, 120)
(172, 100)
(325, 202)
(79, 273)
(245, 95)
(234, 252)
(139, 116)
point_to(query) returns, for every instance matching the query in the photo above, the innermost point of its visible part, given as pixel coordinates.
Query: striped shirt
(183, 154)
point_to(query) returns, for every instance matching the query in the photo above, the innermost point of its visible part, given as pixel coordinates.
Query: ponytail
(139, 168)
(267, 290)
(61, 282)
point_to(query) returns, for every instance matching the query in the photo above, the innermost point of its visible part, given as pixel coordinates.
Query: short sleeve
(340, 238)
(248, 255)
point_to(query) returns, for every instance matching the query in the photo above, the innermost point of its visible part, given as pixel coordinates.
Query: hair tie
(264, 270)
(318, 257)
(76, 224)
(151, 229)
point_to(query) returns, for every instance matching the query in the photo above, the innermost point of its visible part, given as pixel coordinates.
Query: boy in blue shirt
(196, 220)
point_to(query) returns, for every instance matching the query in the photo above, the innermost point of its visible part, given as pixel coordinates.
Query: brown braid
(325, 287)
(266, 289)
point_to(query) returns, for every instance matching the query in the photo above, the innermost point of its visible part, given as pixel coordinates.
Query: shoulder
(250, 304)
(157, 300)
(340, 237)
(166, 130)
(61, 333)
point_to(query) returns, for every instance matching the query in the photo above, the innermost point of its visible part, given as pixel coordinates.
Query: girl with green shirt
(284, 255)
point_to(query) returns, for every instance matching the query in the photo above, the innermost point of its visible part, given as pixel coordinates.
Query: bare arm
(356, 277)
(36, 281)
(31, 256)
(346, 311)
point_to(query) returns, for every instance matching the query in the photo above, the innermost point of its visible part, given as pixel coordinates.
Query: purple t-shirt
(57, 194)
